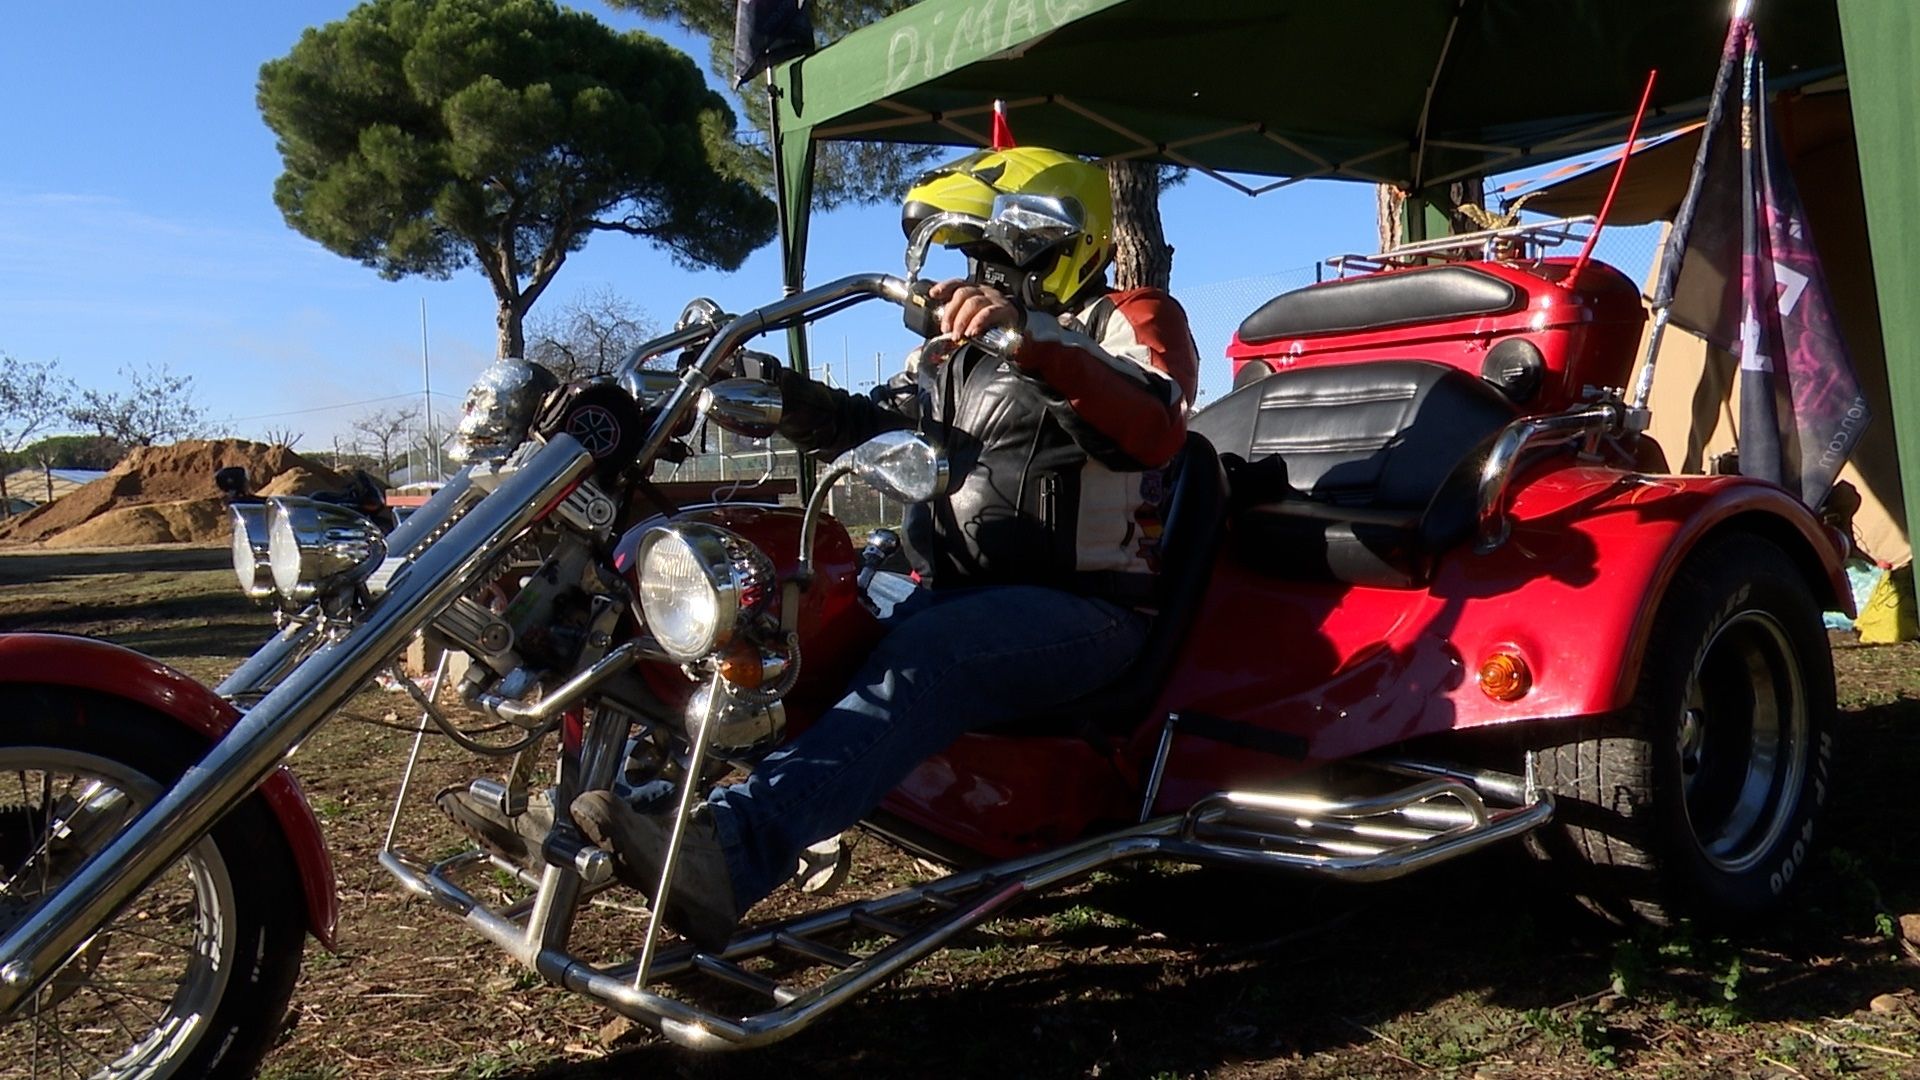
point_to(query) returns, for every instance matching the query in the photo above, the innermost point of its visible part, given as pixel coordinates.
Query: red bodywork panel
(1586, 330)
(105, 668)
(1352, 669)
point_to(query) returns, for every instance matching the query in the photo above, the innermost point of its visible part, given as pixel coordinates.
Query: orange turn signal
(1505, 677)
(742, 666)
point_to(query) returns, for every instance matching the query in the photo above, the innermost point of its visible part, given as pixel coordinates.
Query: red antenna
(1002, 134)
(1619, 171)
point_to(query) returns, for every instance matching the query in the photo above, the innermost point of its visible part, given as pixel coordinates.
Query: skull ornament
(499, 410)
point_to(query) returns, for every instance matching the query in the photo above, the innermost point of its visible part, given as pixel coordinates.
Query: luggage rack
(1515, 243)
(1415, 814)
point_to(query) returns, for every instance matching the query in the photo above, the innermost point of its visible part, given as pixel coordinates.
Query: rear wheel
(192, 978)
(1701, 799)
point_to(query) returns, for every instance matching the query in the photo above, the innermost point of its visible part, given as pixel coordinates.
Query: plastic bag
(1889, 614)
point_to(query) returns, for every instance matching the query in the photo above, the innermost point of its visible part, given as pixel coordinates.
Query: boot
(701, 904)
(518, 840)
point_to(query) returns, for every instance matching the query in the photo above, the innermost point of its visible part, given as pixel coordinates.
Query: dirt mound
(164, 494)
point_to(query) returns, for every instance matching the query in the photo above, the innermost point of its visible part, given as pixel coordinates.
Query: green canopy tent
(1416, 93)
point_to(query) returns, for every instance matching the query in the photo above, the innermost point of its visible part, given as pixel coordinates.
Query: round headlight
(695, 579)
(250, 553)
(315, 547)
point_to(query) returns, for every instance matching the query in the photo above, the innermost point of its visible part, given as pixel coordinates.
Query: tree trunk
(1141, 255)
(1390, 215)
(513, 337)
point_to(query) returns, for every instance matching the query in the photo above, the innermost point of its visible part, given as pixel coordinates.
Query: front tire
(1701, 799)
(192, 978)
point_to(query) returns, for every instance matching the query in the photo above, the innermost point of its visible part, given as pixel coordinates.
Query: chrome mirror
(747, 407)
(946, 227)
(699, 311)
(1025, 226)
(901, 465)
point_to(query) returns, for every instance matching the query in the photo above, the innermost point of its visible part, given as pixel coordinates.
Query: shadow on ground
(1205, 970)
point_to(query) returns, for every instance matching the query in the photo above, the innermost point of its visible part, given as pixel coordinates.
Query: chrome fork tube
(272, 729)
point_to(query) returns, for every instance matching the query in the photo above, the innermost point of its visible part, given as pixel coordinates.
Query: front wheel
(192, 978)
(1701, 798)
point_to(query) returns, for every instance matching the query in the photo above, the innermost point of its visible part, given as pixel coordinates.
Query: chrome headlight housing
(250, 556)
(696, 581)
(315, 547)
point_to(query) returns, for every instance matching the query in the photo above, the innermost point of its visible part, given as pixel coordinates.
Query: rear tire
(1701, 799)
(192, 979)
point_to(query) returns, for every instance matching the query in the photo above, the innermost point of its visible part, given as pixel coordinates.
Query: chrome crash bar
(1497, 472)
(1442, 814)
(269, 731)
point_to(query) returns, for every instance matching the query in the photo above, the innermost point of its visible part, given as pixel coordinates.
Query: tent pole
(793, 196)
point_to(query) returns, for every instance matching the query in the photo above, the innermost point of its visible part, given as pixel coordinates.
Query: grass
(1466, 970)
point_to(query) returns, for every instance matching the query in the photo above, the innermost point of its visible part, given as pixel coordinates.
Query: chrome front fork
(309, 694)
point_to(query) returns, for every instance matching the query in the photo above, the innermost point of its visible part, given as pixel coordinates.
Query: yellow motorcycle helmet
(1074, 250)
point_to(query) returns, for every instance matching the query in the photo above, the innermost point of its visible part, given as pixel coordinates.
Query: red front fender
(86, 664)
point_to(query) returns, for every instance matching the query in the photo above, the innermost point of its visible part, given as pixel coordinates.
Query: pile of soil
(165, 495)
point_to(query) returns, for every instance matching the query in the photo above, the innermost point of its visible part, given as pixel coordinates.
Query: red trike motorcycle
(1425, 589)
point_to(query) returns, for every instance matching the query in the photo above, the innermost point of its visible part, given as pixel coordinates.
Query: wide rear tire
(1702, 798)
(192, 979)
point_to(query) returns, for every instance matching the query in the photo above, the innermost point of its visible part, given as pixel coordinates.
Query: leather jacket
(1058, 453)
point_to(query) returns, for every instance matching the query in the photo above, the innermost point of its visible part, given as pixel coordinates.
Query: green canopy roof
(1409, 92)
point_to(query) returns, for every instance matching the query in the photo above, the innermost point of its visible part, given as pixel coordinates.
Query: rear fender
(104, 668)
(1582, 619)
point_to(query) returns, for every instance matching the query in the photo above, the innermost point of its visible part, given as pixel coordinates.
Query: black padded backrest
(1382, 434)
(1191, 534)
(1195, 522)
(1380, 301)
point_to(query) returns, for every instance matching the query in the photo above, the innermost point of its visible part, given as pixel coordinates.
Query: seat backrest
(1195, 521)
(1382, 434)
(1380, 301)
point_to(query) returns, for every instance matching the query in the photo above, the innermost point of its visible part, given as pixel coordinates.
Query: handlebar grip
(999, 341)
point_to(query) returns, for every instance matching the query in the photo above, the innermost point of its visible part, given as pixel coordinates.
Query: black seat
(1357, 473)
(1196, 513)
(1380, 301)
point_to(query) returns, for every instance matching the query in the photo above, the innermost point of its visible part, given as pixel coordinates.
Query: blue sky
(137, 226)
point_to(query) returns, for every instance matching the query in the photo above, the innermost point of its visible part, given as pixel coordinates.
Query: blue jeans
(954, 662)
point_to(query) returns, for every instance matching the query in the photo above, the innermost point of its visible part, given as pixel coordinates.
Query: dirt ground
(1475, 969)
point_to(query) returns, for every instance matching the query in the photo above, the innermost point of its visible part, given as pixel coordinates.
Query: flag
(1740, 270)
(1002, 134)
(766, 32)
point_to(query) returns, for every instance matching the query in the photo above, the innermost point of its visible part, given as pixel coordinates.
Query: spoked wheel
(192, 978)
(1702, 797)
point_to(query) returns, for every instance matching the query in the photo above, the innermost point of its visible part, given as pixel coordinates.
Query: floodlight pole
(426, 394)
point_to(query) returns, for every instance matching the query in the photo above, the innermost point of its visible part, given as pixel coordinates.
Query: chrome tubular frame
(309, 694)
(1497, 473)
(1443, 814)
